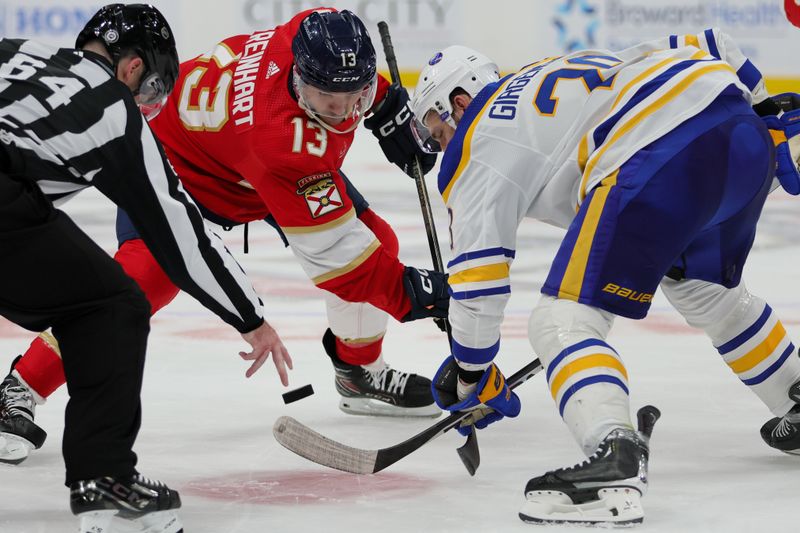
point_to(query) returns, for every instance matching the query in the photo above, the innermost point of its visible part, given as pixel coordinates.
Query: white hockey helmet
(455, 66)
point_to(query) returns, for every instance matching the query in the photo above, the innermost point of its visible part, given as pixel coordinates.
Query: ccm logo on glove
(403, 116)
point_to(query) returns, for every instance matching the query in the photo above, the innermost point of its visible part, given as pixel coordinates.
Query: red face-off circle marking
(306, 487)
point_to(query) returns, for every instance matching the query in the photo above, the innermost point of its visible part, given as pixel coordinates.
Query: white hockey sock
(747, 334)
(586, 377)
(763, 357)
(376, 366)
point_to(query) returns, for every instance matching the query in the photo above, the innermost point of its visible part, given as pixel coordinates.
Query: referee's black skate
(18, 434)
(379, 392)
(136, 504)
(606, 489)
(784, 433)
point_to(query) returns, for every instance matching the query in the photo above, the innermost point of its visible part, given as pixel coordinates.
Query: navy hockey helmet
(332, 51)
(334, 58)
(142, 29)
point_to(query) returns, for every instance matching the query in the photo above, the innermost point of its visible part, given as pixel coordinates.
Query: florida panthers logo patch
(322, 197)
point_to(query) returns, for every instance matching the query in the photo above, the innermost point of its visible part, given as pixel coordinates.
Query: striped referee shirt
(68, 123)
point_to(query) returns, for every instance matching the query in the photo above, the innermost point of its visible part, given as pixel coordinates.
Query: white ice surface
(207, 430)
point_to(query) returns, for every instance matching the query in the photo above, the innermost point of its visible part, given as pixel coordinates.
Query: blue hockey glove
(785, 132)
(490, 401)
(391, 124)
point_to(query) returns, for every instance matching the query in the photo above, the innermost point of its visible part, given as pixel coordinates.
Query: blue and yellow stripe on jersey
(475, 356)
(747, 72)
(581, 365)
(480, 273)
(632, 114)
(759, 351)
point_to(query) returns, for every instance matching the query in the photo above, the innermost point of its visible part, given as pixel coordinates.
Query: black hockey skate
(606, 489)
(107, 504)
(18, 434)
(784, 433)
(383, 392)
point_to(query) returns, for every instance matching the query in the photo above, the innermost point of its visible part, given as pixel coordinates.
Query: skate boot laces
(788, 424)
(603, 449)
(148, 485)
(397, 380)
(16, 399)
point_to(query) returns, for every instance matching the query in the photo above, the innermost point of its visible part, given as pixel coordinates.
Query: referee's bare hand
(265, 341)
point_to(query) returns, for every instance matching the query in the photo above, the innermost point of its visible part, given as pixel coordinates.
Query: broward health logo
(576, 23)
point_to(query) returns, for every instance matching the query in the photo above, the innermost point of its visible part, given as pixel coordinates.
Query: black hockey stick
(305, 442)
(416, 170)
(469, 453)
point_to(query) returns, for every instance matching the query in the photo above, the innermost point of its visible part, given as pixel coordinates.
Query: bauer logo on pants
(322, 197)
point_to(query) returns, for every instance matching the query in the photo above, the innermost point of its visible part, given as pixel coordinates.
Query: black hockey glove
(778, 103)
(391, 124)
(427, 290)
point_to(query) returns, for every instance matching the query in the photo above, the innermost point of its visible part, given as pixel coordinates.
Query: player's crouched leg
(753, 342)
(588, 381)
(374, 388)
(366, 384)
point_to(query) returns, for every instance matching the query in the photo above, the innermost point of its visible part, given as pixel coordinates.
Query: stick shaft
(416, 168)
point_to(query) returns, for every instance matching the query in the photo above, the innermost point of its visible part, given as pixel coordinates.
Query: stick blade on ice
(305, 442)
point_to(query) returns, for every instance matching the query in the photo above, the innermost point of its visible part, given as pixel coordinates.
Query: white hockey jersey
(536, 142)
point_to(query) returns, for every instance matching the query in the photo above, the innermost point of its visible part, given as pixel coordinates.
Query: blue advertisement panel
(759, 27)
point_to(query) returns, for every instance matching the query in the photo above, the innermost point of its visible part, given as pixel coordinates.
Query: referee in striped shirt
(70, 119)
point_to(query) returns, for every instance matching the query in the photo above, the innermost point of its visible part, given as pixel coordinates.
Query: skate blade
(371, 407)
(615, 507)
(108, 522)
(160, 522)
(14, 449)
(96, 521)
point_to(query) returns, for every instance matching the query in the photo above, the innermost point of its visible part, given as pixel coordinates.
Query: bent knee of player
(711, 307)
(556, 324)
(359, 321)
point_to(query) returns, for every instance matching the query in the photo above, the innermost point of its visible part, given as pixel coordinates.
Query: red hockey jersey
(244, 149)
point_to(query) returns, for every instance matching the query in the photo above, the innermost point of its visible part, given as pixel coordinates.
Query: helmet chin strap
(327, 126)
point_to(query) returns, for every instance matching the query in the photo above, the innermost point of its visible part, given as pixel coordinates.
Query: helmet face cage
(152, 89)
(140, 29)
(151, 111)
(352, 104)
(423, 135)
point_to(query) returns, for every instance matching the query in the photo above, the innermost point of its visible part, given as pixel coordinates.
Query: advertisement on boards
(58, 22)
(760, 27)
(418, 27)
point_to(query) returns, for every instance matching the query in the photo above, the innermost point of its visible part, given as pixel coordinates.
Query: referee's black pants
(53, 275)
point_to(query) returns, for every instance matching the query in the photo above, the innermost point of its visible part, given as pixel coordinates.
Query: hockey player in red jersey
(258, 128)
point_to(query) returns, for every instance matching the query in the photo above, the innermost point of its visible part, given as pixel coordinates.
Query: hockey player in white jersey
(656, 164)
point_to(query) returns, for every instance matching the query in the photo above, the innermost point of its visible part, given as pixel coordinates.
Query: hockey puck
(298, 394)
